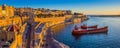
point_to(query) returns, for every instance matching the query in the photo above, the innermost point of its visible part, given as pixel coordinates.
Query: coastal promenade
(43, 37)
(47, 41)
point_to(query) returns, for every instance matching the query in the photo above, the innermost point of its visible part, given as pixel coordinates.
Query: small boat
(85, 27)
(76, 27)
(89, 31)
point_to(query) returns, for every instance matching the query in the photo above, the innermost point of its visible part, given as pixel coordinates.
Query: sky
(90, 7)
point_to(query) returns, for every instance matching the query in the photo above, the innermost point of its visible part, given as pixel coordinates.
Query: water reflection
(56, 29)
(111, 39)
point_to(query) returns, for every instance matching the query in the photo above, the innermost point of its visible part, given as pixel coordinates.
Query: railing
(37, 26)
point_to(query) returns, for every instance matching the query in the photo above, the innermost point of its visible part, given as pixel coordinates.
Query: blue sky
(83, 6)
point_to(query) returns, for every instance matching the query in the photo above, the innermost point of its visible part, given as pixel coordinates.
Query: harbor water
(111, 39)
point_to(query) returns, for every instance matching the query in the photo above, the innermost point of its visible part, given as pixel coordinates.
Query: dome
(13, 28)
(4, 5)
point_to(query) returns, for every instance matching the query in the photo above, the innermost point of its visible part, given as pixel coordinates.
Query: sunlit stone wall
(52, 20)
(6, 11)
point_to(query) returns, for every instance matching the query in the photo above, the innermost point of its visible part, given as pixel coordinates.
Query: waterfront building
(11, 37)
(42, 12)
(79, 17)
(68, 12)
(6, 11)
(26, 36)
(7, 15)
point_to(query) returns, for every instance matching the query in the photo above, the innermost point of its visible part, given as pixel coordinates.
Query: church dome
(13, 28)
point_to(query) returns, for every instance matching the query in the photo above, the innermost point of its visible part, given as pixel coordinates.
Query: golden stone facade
(6, 11)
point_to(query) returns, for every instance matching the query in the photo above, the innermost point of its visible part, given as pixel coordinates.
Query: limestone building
(6, 11)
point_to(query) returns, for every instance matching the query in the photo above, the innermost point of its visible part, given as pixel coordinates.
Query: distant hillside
(104, 15)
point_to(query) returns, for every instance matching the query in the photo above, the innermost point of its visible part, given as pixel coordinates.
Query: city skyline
(96, 7)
